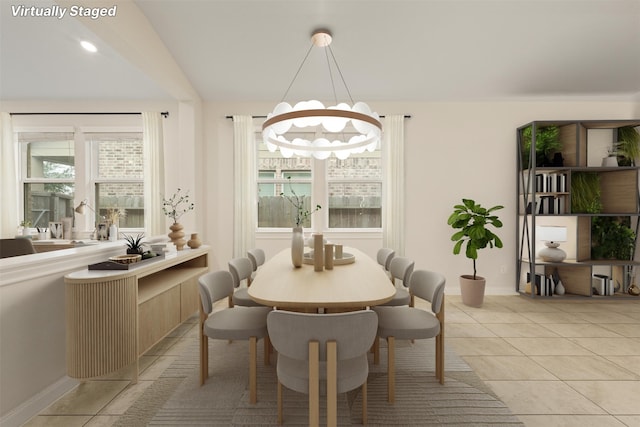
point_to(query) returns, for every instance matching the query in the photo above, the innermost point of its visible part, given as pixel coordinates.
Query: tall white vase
(297, 247)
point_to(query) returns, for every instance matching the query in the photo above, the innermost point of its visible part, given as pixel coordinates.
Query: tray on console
(111, 265)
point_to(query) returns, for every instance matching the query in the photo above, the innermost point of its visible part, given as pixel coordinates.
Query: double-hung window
(49, 176)
(349, 191)
(354, 191)
(60, 169)
(281, 183)
(119, 186)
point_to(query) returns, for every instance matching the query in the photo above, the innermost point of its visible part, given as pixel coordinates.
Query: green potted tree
(471, 221)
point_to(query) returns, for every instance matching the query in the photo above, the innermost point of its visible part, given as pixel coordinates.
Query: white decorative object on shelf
(552, 235)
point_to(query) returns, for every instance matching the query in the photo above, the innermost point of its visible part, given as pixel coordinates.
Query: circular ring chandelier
(333, 119)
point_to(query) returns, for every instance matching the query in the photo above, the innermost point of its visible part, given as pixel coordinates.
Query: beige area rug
(177, 399)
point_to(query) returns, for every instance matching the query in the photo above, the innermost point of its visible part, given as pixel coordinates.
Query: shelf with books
(564, 183)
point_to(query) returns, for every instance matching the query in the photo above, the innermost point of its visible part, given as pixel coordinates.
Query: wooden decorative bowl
(126, 259)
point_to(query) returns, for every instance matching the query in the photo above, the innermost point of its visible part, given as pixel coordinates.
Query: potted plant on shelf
(174, 207)
(135, 244)
(612, 238)
(548, 146)
(26, 227)
(471, 221)
(114, 215)
(628, 146)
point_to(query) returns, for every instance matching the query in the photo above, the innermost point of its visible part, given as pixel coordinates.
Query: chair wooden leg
(376, 351)
(253, 369)
(280, 415)
(391, 370)
(364, 403)
(204, 358)
(439, 350)
(332, 384)
(314, 384)
(267, 350)
(440, 345)
(230, 304)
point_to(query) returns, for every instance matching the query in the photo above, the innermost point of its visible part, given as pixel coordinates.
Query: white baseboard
(32, 407)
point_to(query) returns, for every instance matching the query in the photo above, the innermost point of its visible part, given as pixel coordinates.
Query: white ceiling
(387, 50)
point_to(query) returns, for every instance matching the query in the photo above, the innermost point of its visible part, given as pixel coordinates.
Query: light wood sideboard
(113, 317)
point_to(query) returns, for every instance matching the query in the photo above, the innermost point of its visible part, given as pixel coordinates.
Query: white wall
(453, 150)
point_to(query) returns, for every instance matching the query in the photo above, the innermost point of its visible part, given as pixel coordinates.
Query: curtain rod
(406, 116)
(165, 114)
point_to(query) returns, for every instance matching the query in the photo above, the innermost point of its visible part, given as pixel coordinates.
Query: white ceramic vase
(113, 233)
(297, 247)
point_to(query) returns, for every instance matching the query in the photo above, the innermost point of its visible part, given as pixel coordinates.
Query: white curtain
(244, 189)
(393, 191)
(154, 190)
(9, 178)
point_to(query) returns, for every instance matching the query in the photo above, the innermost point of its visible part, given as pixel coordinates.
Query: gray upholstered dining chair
(327, 348)
(257, 258)
(411, 323)
(241, 269)
(16, 247)
(400, 268)
(237, 323)
(384, 257)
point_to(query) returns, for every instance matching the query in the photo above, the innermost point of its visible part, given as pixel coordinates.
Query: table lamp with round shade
(552, 235)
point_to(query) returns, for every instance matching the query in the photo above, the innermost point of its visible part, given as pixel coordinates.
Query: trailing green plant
(547, 144)
(585, 193)
(612, 238)
(134, 244)
(472, 221)
(628, 146)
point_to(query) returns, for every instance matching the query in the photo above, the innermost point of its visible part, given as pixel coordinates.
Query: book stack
(544, 285)
(551, 203)
(602, 285)
(551, 182)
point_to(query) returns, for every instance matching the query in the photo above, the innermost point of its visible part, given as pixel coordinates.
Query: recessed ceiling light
(88, 46)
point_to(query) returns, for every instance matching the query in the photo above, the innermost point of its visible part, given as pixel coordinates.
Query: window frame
(85, 157)
(320, 181)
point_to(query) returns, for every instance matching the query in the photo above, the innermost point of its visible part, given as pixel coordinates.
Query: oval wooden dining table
(360, 284)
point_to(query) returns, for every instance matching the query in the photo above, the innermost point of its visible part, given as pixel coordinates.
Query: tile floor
(565, 362)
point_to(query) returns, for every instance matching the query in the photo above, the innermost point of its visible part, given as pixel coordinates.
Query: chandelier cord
(333, 85)
(297, 72)
(340, 73)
